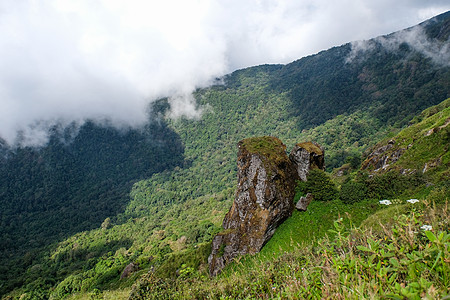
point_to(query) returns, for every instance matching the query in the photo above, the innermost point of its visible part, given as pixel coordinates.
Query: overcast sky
(65, 60)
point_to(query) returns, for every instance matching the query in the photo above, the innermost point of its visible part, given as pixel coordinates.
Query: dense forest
(76, 211)
(74, 183)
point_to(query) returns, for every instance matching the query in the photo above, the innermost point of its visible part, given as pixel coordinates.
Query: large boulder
(307, 156)
(264, 199)
(303, 202)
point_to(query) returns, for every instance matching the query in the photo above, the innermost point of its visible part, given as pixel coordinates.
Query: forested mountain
(166, 187)
(75, 182)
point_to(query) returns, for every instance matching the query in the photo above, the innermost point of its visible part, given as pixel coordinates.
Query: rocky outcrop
(307, 156)
(264, 199)
(129, 269)
(382, 157)
(437, 129)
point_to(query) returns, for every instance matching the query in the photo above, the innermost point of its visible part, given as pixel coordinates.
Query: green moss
(311, 147)
(227, 231)
(268, 146)
(221, 250)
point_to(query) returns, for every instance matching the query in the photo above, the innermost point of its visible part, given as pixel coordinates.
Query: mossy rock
(310, 147)
(267, 146)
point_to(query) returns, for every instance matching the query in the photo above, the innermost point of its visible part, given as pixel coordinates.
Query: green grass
(305, 228)
(194, 258)
(397, 261)
(304, 258)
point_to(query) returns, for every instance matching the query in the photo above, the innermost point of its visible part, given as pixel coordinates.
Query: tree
(106, 224)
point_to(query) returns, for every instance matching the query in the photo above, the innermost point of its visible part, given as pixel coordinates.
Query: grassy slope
(306, 228)
(425, 141)
(430, 141)
(397, 260)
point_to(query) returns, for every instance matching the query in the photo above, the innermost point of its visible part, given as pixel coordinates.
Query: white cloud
(416, 38)
(107, 59)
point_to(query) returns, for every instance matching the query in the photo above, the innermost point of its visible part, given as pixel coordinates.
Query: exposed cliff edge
(264, 198)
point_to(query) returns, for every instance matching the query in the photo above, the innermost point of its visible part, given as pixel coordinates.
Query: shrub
(354, 160)
(391, 184)
(352, 192)
(70, 284)
(320, 185)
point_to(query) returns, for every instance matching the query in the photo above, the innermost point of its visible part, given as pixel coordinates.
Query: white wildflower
(385, 202)
(412, 200)
(426, 227)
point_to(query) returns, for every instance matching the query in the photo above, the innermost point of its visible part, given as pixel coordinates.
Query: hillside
(329, 227)
(423, 147)
(145, 195)
(365, 248)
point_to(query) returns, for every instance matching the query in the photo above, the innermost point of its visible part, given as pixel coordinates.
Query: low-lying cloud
(66, 61)
(416, 38)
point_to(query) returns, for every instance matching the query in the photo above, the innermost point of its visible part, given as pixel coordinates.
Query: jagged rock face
(307, 156)
(264, 199)
(382, 157)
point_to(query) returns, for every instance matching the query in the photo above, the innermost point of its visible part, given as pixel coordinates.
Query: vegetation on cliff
(271, 149)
